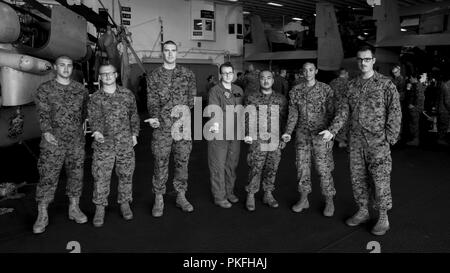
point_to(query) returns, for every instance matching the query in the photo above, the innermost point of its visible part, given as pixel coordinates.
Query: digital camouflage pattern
(400, 84)
(115, 116)
(264, 164)
(62, 110)
(339, 85)
(372, 108)
(416, 99)
(165, 90)
(311, 110)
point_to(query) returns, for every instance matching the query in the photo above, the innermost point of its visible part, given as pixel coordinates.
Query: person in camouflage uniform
(223, 153)
(311, 109)
(263, 164)
(416, 100)
(168, 86)
(114, 122)
(339, 85)
(400, 83)
(443, 110)
(251, 82)
(61, 104)
(373, 108)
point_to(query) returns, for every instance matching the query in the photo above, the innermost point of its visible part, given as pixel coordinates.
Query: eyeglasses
(104, 75)
(228, 74)
(365, 60)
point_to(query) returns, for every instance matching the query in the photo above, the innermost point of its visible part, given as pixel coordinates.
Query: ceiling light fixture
(274, 4)
(297, 19)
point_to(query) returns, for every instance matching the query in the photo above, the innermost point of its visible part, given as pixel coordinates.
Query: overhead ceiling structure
(305, 9)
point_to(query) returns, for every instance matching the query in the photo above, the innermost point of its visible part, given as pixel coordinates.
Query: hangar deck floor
(419, 220)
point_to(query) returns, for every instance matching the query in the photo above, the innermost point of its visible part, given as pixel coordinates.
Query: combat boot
(302, 203)
(250, 203)
(361, 216)
(329, 207)
(158, 206)
(382, 225)
(232, 198)
(270, 200)
(414, 142)
(42, 219)
(74, 211)
(99, 216)
(126, 211)
(183, 203)
(223, 203)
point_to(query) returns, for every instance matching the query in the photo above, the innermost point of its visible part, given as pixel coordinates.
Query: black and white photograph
(225, 135)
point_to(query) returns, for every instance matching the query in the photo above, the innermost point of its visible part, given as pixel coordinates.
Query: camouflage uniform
(443, 110)
(223, 155)
(165, 90)
(311, 109)
(115, 117)
(372, 108)
(417, 99)
(339, 85)
(264, 163)
(62, 110)
(400, 84)
(251, 83)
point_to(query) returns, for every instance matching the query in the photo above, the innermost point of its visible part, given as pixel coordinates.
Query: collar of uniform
(233, 88)
(119, 89)
(376, 76)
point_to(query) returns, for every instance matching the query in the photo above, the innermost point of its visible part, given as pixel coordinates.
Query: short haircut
(366, 48)
(342, 69)
(105, 65)
(210, 77)
(63, 57)
(227, 64)
(265, 70)
(169, 42)
(313, 63)
(396, 66)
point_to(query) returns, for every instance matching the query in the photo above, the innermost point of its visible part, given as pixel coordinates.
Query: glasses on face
(228, 74)
(109, 74)
(365, 60)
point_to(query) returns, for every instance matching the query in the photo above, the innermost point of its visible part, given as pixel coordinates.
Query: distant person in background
(251, 81)
(400, 83)
(443, 110)
(339, 85)
(415, 99)
(211, 81)
(240, 80)
(281, 85)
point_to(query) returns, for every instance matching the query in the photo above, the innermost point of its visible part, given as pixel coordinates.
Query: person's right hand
(248, 139)
(50, 138)
(154, 122)
(98, 137)
(286, 137)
